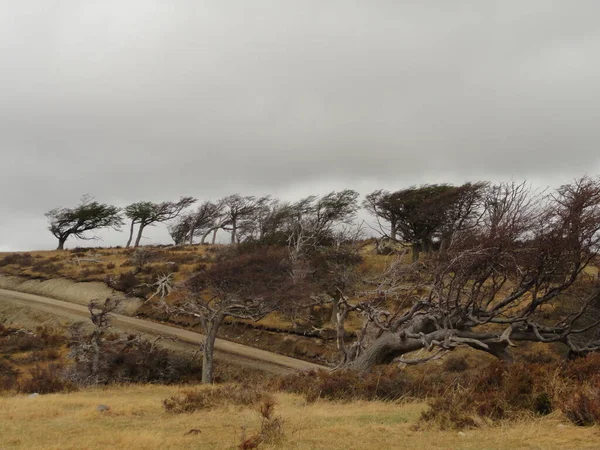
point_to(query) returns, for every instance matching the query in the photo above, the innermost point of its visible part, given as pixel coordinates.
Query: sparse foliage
(247, 286)
(145, 214)
(89, 215)
(487, 288)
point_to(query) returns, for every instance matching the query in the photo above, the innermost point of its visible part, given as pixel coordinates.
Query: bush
(451, 411)
(131, 359)
(183, 258)
(583, 369)
(125, 282)
(161, 269)
(583, 406)
(386, 383)
(539, 357)
(456, 363)
(13, 341)
(496, 392)
(18, 259)
(47, 267)
(271, 428)
(45, 380)
(79, 250)
(213, 397)
(45, 354)
(8, 376)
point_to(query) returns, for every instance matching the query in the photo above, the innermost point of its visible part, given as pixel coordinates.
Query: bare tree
(87, 350)
(87, 216)
(492, 284)
(247, 286)
(146, 214)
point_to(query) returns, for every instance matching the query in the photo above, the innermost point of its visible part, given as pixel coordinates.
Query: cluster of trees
(510, 268)
(91, 215)
(246, 218)
(499, 257)
(425, 216)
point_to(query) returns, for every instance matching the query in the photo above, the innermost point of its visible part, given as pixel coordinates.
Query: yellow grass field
(137, 420)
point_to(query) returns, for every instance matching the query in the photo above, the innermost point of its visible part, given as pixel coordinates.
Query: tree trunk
(392, 345)
(130, 234)
(212, 230)
(209, 351)
(139, 235)
(233, 231)
(192, 234)
(416, 250)
(204, 236)
(96, 338)
(61, 242)
(207, 362)
(334, 310)
(393, 232)
(383, 351)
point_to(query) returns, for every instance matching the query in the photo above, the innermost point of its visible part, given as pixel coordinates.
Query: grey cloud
(130, 100)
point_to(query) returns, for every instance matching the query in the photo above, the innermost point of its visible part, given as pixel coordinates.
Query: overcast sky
(133, 100)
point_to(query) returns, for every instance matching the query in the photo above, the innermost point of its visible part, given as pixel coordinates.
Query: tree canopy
(147, 213)
(89, 215)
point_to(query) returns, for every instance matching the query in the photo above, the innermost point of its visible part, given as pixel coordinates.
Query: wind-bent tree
(203, 219)
(320, 216)
(379, 204)
(245, 286)
(493, 284)
(146, 214)
(179, 231)
(267, 222)
(195, 223)
(420, 215)
(236, 210)
(231, 212)
(87, 216)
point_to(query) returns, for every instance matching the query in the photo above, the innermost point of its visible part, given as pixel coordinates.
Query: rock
(102, 408)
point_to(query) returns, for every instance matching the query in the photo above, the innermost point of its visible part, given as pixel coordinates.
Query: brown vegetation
(207, 398)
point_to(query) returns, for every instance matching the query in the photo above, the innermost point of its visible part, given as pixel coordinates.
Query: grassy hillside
(101, 264)
(136, 419)
(133, 271)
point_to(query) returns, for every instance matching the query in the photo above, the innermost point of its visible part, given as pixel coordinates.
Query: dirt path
(225, 350)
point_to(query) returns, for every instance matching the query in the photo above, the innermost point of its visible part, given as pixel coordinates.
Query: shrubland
(479, 303)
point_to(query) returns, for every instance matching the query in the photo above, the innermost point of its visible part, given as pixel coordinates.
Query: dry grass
(137, 420)
(95, 264)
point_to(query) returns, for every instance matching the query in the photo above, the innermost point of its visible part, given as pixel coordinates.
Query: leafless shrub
(45, 380)
(201, 399)
(497, 392)
(583, 406)
(386, 384)
(18, 259)
(456, 363)
(8, 376)
(125, 282)
(271, 428)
